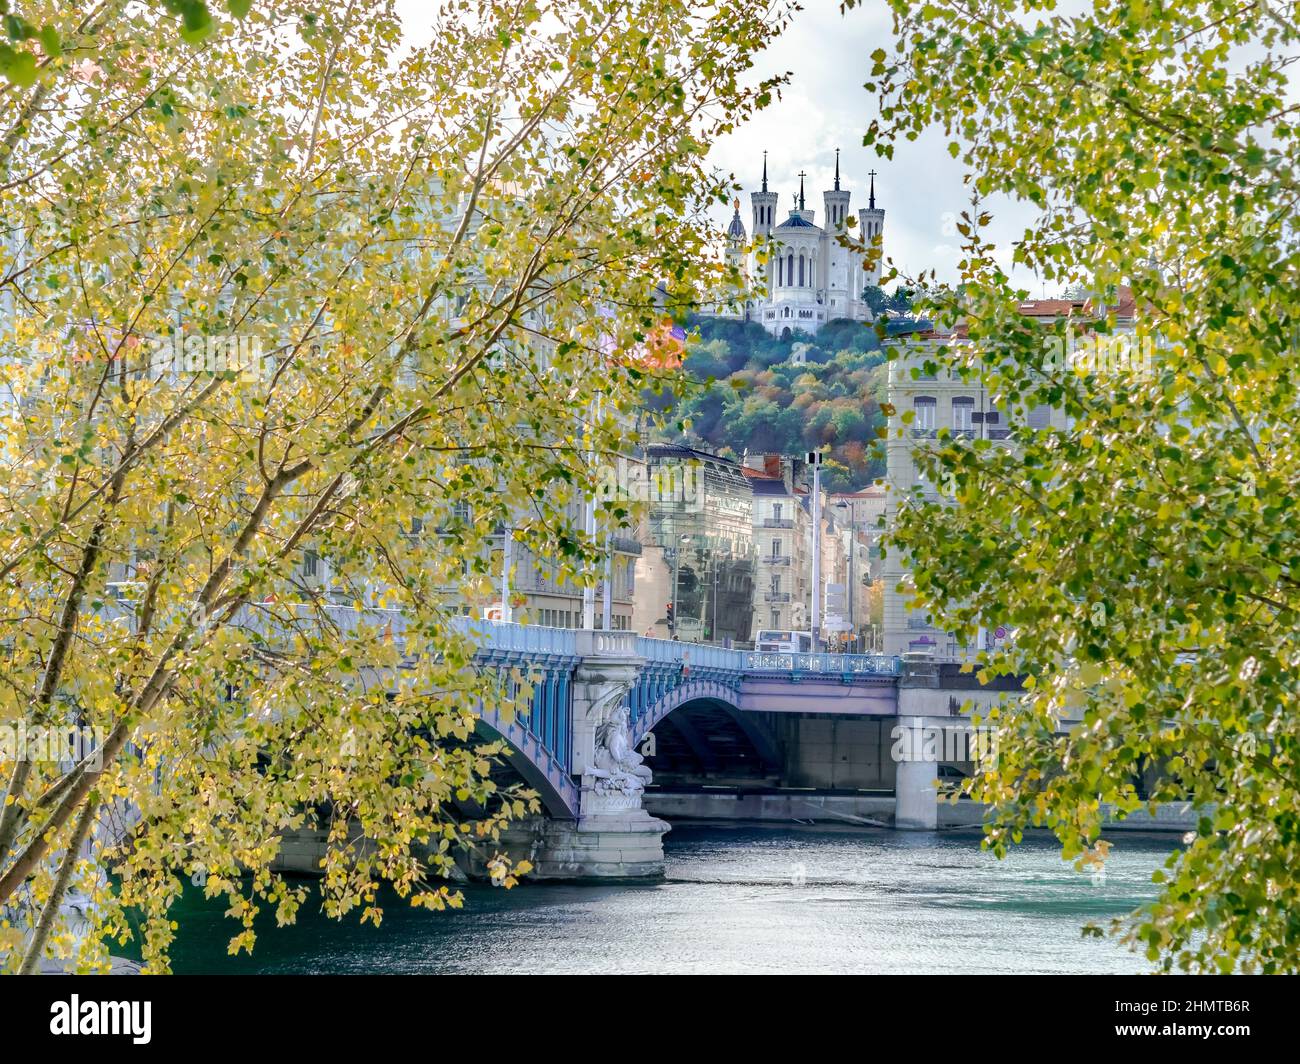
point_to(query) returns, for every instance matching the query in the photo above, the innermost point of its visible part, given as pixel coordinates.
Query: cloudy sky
(825, 107)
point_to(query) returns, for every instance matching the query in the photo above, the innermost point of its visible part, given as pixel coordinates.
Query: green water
(739, 899)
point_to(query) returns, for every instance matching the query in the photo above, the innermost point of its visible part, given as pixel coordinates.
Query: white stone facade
(798, 275)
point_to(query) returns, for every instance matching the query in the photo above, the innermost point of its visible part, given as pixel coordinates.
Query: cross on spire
(802, 175)
(871, 203)
(837, 169)
(765, 171)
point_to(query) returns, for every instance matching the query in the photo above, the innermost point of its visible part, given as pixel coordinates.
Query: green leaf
(20, 69)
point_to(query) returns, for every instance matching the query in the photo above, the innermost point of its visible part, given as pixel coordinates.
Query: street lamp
(851, 587)
(677, 568)
(815, 460)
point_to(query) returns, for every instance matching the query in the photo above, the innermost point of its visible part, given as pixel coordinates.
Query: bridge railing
(521, 638)
(830, 664)
(697, 655)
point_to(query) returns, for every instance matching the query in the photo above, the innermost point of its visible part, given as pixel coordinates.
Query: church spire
(765, 171)
(837, 169)
(802, 175)
(871, 202)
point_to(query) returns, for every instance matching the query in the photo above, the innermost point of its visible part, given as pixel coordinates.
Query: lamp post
(607, 597)
(677, 568)
(851, 586)
(713, 626)
(507, 541)
(815, 460)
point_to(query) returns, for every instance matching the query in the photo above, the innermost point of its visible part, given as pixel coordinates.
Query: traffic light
(669, 611)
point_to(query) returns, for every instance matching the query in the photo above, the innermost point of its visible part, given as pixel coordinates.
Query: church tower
(764, 206)
(798, 274)
(872, 223)
(736, 240)
(836, 201)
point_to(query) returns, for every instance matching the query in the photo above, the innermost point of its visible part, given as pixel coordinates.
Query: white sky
(825, 107)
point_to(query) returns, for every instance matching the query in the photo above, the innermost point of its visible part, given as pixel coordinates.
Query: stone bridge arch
(717, 695)
(536, 766)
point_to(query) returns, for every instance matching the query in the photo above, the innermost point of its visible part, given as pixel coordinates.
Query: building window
(923, 421)
(963, 409)
(776, 548)
(776, 510)
(800, 271)
(789, 269)
(775, 619)
(995, 429)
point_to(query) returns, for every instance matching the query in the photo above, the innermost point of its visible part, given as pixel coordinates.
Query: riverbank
(867, 810)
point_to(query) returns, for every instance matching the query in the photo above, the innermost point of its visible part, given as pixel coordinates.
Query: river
(739, 899)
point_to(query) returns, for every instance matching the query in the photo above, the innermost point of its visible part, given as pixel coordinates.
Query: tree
(900, 301)
(875, 299)
(1147, 556)
(301, 296)
(34, 43)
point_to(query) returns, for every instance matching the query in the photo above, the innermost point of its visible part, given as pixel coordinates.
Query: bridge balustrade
(825, 664)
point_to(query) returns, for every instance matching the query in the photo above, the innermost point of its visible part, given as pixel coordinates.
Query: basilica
(798, 276)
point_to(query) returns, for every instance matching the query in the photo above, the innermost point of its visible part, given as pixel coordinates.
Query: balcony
(625, 545)
(778, 522)
(776, 596)
(775, 559)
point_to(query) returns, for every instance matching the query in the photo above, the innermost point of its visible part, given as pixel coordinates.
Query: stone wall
(837, 753)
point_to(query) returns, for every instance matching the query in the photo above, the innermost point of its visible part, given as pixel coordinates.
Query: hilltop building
(798, 276)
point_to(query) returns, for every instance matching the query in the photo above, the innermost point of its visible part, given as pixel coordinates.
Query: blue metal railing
(828, 664)
(697, 655)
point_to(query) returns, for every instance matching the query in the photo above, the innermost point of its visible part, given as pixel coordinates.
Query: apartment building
(783, 540)
(943, 400)
(698, 551)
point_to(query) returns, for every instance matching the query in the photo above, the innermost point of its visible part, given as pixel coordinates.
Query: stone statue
(617, 768)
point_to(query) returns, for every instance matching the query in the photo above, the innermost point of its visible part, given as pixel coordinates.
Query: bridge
(611, 713)
(584, 678)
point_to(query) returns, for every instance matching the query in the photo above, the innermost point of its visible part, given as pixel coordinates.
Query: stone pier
(916, 781)
(613, 837)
